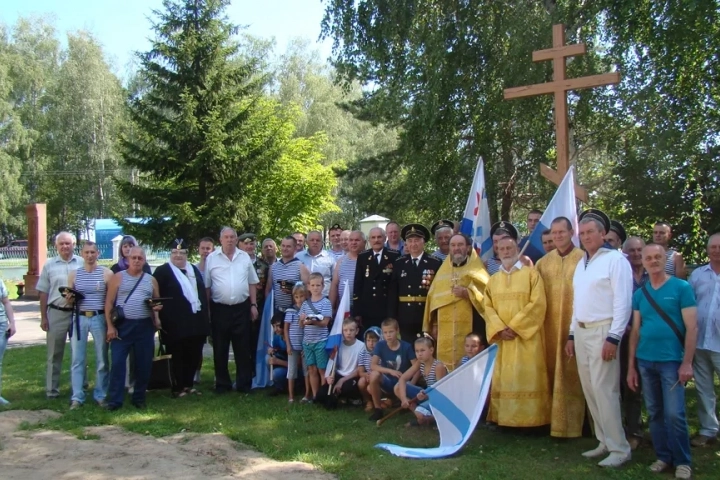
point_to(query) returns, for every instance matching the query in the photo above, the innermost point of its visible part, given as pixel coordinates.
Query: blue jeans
(98, 329)
(140, 336)
(705, 366)
(280, 378)
(665, 403)
(3, 344)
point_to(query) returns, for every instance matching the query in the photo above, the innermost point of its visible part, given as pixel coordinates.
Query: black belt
(62, 309)
(91, 313)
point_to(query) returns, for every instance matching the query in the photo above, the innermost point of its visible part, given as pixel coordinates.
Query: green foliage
(202, 131)
(647, 149)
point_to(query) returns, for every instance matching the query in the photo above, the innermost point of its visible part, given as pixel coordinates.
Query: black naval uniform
(372, 283)
(408, 293)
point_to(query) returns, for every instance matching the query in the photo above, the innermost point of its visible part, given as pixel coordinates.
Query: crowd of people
(596, 329)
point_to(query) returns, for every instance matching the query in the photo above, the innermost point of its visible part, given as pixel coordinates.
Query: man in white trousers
(601, 310)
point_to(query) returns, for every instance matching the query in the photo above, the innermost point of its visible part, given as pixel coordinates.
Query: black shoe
(377, 415)
(111, 407)
(140, 405)
(221, 390)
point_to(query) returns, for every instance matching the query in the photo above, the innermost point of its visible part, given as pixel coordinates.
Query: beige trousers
(57, 335)
(601, 385)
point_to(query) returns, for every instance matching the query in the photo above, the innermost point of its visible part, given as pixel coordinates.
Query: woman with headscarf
(184, 316)
(127, 242)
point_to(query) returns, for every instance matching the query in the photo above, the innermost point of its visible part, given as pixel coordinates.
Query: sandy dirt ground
(121, 455)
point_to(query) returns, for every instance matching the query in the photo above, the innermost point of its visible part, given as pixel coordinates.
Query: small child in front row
(372, 337)
(431, 370)
(391, 358)
(315, 316)
(344, 380)
(294, 339)
(277, 356)
(473, 346)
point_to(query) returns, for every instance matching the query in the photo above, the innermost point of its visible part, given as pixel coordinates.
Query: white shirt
(348, 357)
(603, 290)
(517, 266)
(322, 263)
(706, 284)
(229, 280)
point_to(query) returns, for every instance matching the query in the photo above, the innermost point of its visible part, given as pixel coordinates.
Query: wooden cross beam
(559, 88)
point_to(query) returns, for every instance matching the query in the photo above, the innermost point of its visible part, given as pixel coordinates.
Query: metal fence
(18, 256)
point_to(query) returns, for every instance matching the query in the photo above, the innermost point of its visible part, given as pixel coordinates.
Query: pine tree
(201, 130)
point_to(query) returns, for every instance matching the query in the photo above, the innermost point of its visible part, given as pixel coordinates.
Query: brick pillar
(37, 246)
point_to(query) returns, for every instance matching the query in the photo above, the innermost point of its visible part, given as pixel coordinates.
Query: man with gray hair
(371, 285)
(231, 282)
(442, 230)
(318, 260)
(602, 303)
(55, 313)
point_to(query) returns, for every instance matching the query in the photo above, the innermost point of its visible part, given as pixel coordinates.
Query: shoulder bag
(117, 314)
(664, 316)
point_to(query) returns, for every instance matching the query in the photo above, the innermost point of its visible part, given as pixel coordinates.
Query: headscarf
(122, 262)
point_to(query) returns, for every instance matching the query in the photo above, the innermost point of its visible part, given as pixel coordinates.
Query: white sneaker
(683, 471)
(598, 451)
(75, 405)
(614, 460)
(3, 402)
(658, 466)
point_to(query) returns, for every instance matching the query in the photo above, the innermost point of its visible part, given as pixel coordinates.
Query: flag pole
(395, 412)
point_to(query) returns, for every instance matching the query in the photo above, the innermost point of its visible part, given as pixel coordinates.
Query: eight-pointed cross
(559, 87)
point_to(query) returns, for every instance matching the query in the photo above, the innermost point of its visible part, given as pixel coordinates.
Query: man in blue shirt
(662, 342)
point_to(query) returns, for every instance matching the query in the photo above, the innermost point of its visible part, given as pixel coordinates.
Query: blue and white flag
(562, 205)
(262, 376)
(457, 401)
(476, 220)
(336, 336)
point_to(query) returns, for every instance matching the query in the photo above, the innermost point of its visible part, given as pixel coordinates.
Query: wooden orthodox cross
(559, 88)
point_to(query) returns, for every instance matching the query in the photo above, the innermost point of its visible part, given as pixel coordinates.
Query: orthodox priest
(557, 269)
(455, 301)
(515, 313)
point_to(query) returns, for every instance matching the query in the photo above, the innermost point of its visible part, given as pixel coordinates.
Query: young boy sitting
(277, 357)
(473, 346)
(372, 337)
(391, 358)
(347, 372)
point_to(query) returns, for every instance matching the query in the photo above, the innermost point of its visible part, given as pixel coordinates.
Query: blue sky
(123, 26)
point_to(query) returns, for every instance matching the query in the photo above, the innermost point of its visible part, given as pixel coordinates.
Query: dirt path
(121, 455)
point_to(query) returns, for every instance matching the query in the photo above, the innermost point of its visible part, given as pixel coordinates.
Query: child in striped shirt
(372, 336)
(473, 346)
(315, 316)
(293, 334)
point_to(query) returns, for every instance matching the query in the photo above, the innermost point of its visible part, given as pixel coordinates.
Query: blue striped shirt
(92, 286)
(346, 271)
(137, 306)
(365, 359)
(493, 265)
(295, 331)
(288, 272)
(314, 333)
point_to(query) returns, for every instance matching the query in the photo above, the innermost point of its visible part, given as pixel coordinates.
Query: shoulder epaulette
(392, 250)
(365, 251)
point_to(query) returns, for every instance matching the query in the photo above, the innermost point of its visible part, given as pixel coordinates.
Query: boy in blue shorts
(314, 317)
(391, 358)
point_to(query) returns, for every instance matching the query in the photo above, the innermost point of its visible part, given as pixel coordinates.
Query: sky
(124, 26)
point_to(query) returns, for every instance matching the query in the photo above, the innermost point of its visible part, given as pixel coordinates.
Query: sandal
(195, 392)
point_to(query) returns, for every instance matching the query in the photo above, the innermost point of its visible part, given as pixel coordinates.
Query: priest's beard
(508, 263)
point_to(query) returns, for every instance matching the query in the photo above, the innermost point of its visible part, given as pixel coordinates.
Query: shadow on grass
(340, 442)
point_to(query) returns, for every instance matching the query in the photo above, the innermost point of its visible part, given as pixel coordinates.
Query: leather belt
(91, 313)
(595, 324)
(62, 309)
(413, 299)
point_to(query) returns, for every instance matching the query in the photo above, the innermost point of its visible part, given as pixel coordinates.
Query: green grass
(11, 287)
(340, 442)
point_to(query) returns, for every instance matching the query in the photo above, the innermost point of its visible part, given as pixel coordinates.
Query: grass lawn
(11, 287)
(340, 442)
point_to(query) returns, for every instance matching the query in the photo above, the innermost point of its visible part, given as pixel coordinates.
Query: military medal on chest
(367, 271)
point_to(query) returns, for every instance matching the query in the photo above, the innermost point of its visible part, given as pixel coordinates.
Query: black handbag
(117, 314)
(162, 376)
(666, 318)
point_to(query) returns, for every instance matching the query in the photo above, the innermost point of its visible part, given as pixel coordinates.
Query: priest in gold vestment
(455, 301)
(515, 314)
(557, 269)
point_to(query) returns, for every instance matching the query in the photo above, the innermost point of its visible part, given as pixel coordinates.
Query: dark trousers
(186, 355)
(231, 325)
(137, 335)
(631, 402)
(348, 390)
